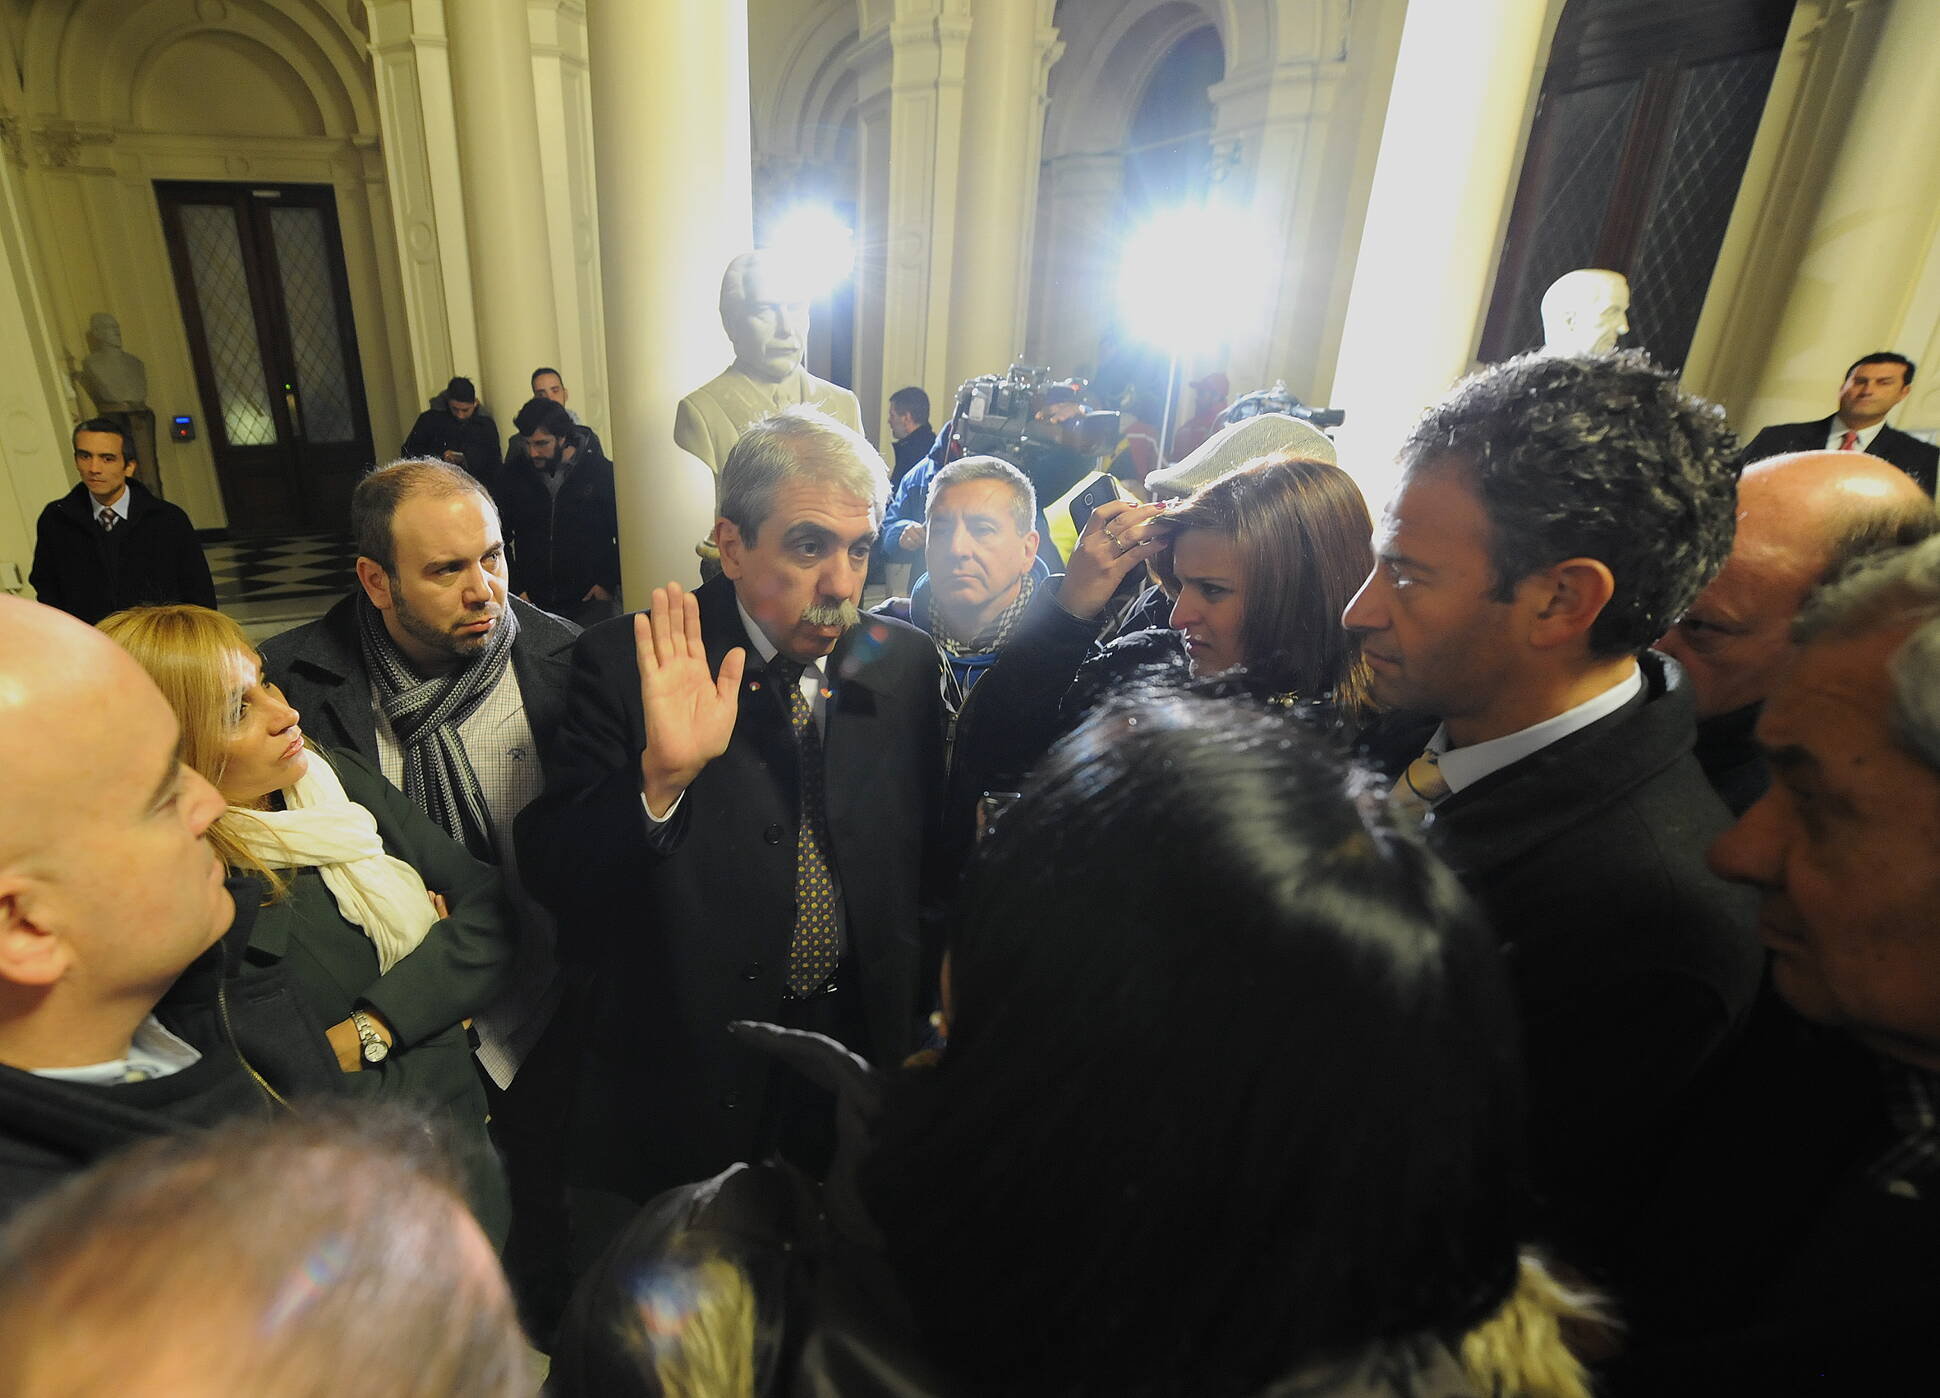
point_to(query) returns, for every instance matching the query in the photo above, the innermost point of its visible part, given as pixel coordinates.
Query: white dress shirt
(153, 1052)
(1462, 767)
(1839, 431)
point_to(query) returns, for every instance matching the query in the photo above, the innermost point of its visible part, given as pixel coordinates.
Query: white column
(1458, 116)
(927, 42)
(672, 147)
(1872, 224)
(871, 66)
(34, 455)
(1003, 122)
(420, 141)
(498, 151)
(571, 199)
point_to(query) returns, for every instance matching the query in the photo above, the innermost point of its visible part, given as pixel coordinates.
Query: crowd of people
(1489, 948)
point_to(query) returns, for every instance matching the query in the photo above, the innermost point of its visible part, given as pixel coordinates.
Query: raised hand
(1117, 538)
(689, 711)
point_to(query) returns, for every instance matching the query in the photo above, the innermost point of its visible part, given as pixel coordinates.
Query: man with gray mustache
(741, 828)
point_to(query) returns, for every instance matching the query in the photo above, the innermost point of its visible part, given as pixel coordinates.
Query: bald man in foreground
(1802, 518)
(114, 994)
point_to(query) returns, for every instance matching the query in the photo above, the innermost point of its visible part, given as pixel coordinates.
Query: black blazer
(320, 668)
(685, 934)
(152, 557)
(1633, 964)
(1918, 459)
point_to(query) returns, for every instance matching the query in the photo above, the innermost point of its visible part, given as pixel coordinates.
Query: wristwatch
(375, 1048)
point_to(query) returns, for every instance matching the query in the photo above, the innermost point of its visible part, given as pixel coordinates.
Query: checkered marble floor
(270, 585)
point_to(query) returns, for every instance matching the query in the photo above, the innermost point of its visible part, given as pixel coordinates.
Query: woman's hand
(1117, 538)
(343, 1035)
(438, 904)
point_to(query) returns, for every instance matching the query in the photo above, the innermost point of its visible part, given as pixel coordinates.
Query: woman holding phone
(1259, 566)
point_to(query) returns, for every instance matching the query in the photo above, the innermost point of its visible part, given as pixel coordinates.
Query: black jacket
(239, 1012)
(693, 931)
(89, 571)
(1772, 1260)
(1917, 458)
(1633, 963)
(832, 1316)
(912, 449)
(320, 668)
(438, 431)
(561, 544)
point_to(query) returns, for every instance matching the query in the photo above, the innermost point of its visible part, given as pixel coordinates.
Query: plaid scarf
(994, 636)
(425, 716)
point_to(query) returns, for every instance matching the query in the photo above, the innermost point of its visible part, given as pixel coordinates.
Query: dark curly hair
(1594, 456)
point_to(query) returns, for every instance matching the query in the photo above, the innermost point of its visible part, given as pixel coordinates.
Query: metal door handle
(296, 417)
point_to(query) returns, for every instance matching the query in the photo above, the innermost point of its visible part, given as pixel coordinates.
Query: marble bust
(112, 377)
(767, 322)
(1584, 311)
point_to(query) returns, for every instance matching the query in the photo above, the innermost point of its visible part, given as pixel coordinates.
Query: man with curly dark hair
(1555, 515)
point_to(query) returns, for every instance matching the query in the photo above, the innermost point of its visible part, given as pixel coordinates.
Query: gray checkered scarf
(425, 716)
(994, 636)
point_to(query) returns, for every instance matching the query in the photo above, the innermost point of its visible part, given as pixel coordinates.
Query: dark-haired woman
(1259, 565)
(1242, 1117)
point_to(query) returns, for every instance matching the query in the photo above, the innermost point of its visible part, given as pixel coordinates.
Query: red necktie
(1849, 442)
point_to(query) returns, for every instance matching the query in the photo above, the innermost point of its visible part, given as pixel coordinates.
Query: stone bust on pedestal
(112, 377)
(1584, 311)
(767, 321)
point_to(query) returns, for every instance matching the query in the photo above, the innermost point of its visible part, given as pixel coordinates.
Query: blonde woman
(390, 932)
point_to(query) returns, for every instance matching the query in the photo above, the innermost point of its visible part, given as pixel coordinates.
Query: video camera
(1007, 416)
(1278, 400)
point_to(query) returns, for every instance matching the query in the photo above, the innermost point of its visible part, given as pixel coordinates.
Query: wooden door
(259, 270)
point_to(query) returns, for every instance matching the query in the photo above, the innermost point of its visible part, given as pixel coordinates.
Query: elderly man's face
(1845, 849)
(768, 330)
(801, 576)
(1736, 636)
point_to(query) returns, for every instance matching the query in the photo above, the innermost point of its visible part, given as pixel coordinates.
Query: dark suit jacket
(438, 431)
(1918, 459)
(1633, 963)
(153, 557)
(1769, 1262)
(693, 931)
(320, 668)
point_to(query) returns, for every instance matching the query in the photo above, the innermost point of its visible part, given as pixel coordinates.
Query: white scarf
(325, 830)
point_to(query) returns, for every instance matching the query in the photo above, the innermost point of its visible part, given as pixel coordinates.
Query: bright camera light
(810, 252)
(1190, 275)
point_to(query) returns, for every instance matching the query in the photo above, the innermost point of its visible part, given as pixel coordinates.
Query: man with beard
(455, 690)
(452, 688)
(739, 828)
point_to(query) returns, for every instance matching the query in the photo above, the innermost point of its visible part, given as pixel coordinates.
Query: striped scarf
(425, 716)
(994, 635)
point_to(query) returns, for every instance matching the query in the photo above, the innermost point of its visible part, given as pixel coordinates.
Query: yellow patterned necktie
(1419, 788)
(813, 955)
